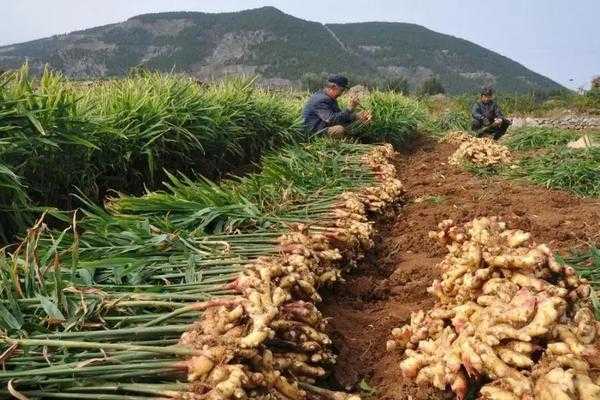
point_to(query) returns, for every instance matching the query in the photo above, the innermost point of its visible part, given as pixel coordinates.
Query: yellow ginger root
(557, 384)
(228, 383)
(484, 152)
(456, 137)
(513, 358)
(586, 388)
(503, 301)
(587, 328)
(549, 310)
(422, 326)
(271, 336)
(490, 392)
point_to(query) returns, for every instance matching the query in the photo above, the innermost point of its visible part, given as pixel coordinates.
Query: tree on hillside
(431, 87)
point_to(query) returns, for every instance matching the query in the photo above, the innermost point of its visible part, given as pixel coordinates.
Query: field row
(213, 285)
(61, 137)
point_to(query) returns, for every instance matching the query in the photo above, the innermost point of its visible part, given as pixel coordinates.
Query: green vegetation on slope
(461, 66)
(268, 42)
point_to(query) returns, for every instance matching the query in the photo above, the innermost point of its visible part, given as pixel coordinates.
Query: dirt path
(392, 281)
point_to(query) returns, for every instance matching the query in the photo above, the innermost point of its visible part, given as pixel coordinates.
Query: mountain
(279, 48)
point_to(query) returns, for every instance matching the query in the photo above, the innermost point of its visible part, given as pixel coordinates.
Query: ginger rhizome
(507, 314)
(483, 152)
(270, 339)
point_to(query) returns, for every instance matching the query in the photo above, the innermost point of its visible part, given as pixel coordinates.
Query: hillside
(278, 47)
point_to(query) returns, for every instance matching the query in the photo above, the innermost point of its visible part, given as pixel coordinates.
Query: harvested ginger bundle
(506, 312)
(269, 341)
(478, 151)
(482, 152)
(456, 137)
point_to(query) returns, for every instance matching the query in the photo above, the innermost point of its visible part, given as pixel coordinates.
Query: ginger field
(165, 239)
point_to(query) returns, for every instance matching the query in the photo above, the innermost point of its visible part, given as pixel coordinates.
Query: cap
(487, 91)
(339, 80)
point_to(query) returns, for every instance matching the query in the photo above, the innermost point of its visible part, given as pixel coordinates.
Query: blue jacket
(486, 112)
(321, 112)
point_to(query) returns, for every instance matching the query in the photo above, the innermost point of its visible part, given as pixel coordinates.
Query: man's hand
(336, 131)
(498, 121)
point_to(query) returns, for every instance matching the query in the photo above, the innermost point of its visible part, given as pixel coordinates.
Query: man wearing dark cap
(487, 116)
(323, 114)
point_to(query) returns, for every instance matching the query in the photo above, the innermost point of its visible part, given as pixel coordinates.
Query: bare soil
(392, 281)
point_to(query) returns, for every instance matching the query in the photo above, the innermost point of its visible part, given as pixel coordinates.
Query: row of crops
(173, 279)
(59, 137)
(201, 291)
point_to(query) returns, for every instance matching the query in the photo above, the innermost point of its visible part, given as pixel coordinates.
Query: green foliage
(587, 263)
(288, 176)
(484, 171)
(45, 141)
(540, 103)
(14, 204)
(453, 120)
(97, 311)
(592, 98)
(531, 138)
(396, 119)
(431, 87)
(577, 171)
(132, 134)
(123, 135)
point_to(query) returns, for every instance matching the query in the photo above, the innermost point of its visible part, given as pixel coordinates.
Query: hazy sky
(558, 38)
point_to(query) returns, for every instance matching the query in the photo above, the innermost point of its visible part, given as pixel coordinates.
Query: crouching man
(322, 113)
(487, 116)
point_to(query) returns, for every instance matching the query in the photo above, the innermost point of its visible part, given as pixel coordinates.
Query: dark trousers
(496, 131)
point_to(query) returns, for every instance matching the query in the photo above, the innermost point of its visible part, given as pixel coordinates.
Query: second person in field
(488, 118)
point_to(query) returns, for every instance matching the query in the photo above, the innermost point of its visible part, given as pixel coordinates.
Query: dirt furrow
(392, 281)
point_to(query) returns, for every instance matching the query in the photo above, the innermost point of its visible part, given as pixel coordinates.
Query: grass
(587, 263)
(132, 134)
(396, 119)
(288, 176)
(485, 171)
(532, 138)
(60, 138)
(14, 203)
(577, 171)
(452, 120)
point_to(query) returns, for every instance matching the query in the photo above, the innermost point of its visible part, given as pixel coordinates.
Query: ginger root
(502, 302)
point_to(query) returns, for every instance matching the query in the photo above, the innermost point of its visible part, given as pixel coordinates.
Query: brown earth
(391, 283)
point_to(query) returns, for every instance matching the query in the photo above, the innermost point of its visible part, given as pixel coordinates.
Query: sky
(557, 38)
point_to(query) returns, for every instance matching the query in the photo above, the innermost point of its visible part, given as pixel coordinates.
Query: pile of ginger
(508, 317)
(484, 152)
(269, 340)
